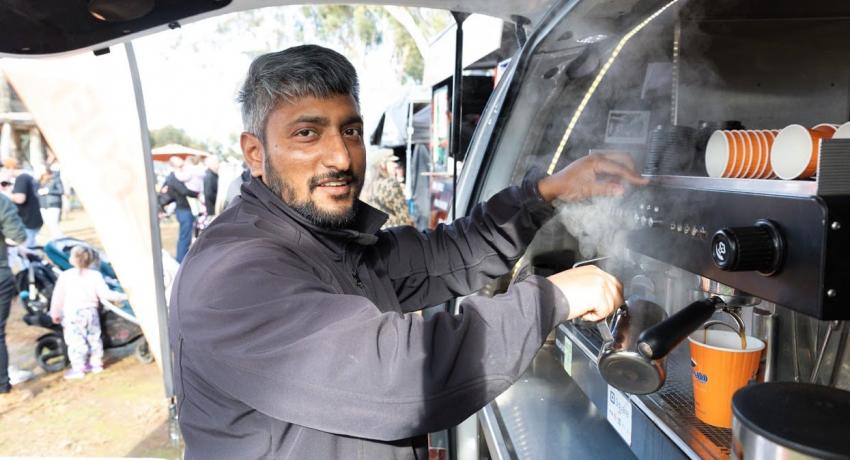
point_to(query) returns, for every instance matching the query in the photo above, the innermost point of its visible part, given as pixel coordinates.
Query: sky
(191, 82)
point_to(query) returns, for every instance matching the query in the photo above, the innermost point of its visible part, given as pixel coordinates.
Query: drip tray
(674, 405)
(671, 407)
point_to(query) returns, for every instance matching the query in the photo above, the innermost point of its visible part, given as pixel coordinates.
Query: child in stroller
(36, 277)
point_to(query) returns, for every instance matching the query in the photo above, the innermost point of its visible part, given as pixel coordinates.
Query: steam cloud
(599, 225)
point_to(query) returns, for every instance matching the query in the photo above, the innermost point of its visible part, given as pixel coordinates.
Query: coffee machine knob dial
(759, 247)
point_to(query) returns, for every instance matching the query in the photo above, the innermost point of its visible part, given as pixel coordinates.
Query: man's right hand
(592, 293)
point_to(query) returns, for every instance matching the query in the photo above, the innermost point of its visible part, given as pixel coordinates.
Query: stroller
(36, 275)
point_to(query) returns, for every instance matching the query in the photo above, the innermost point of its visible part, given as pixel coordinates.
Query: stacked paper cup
(791, 153)
(740, 153)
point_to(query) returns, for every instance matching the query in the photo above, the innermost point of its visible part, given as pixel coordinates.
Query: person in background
(192, 174)
(387, 192)
(75, 303)
(234, 188)
(180, 194)
(50, 198)
(11, 229)
(24, 194)
(211, 184)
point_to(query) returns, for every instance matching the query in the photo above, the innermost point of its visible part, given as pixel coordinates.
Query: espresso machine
(748, 253)
(767, 257)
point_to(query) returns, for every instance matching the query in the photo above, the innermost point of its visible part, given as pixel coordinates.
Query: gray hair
(291, 74)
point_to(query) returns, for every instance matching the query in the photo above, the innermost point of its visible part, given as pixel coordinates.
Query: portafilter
(632, 357)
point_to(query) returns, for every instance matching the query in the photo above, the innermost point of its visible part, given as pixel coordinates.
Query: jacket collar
(367, 221)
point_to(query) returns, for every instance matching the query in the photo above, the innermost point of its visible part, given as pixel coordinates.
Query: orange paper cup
(828, 129)
(740, 152)
(719, 368)
(755, 155)
(717, 154)
(763, 155)
(770, 136)
(794, 154)
(733, 147)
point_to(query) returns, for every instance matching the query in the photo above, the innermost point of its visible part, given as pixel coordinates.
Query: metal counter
(660, 425)
(545, 415)
(561, 408)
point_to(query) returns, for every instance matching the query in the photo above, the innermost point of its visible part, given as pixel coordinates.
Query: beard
(308, 208)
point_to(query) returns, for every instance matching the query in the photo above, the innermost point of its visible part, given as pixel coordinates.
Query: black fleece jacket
(292, 341)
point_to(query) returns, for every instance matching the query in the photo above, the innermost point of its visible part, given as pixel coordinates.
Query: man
(50, 194)
(211, 184)
(180, 194)
(25, 195)
(288, 318)
(11, 229)
(387, 193)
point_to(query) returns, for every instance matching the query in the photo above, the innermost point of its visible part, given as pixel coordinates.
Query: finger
(593, 315)
(616, 289)
(591, 268)
(623, 158)
(615, 282)
(613, 168)
(607, 189)
(620, 171)
(610, 300)
(617, 297)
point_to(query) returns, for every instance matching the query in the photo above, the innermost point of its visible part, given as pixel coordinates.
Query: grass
(120, 412)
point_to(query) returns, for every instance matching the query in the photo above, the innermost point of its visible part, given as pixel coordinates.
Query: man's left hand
(598, 174)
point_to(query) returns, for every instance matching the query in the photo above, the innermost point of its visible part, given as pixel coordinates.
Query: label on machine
(620, 413)
(566, 347)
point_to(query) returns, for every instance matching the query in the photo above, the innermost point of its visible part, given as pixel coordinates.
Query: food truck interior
(729, 245)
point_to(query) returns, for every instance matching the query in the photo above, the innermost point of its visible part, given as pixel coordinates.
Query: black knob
(759, 248)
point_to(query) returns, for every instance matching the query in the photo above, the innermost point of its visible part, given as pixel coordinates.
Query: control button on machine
(759, 247)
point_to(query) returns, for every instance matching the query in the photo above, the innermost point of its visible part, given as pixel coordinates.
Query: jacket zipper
(357, 280)
(345, 260)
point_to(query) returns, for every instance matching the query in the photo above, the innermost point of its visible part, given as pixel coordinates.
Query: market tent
(391, 130)
(175, 150)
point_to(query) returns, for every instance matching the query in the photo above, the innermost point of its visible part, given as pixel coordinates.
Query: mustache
(348, 174)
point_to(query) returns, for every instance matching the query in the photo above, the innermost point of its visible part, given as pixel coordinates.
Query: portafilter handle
(657, 341)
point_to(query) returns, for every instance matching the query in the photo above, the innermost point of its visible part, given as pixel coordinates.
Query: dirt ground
(121, 412)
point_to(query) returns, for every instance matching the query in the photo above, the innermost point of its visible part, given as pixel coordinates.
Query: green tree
(353, 28)
(172, 135)
(362, 27)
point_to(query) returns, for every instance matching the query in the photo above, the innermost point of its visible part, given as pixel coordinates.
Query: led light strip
(599, 77)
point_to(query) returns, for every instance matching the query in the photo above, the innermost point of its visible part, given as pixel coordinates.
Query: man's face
(314, 158)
